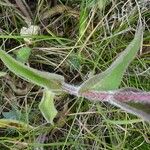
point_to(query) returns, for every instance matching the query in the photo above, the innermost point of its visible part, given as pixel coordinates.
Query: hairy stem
(119, 95)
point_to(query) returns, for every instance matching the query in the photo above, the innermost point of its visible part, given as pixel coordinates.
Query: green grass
(60, 48)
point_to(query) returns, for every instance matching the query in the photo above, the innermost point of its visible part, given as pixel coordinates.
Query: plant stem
(119, 95)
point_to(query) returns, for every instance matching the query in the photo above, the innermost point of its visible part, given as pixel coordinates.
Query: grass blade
(83, 19)
(5, 123)
(43, 79)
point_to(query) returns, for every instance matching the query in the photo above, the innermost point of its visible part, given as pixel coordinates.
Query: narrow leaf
(83, 19)
(123, 122)
(47, 107)
(141, 110)
(44, 79)
(131, 100)
(111, 78)
(9, 123)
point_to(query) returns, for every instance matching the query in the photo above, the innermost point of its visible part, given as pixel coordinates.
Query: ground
(76, 40)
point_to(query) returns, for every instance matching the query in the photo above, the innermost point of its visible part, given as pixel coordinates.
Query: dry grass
(61, 48)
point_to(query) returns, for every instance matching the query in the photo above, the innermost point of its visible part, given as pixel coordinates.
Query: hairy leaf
(141, 110)
(134, 101)
(111, 78)
(131, 100)
(47, 107)
(43, 79)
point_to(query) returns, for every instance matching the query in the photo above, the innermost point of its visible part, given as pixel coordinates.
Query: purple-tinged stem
(92, 95)
(70, 89)
(97, 95)
(130, 96)
(119, 95)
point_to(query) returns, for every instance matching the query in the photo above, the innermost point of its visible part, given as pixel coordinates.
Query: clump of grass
(79, 124)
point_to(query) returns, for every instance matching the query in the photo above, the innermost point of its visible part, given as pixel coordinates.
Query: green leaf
(83, 19)
(111, 78)
(123, 122)
(9, 123)
(44, 79)
(15, 114)
(141, 110)
(23, 54)
(47, 107)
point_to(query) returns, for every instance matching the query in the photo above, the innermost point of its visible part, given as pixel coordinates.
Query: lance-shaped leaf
(111, 78)
(133, 101)
(138, 109)
(9, 123)
(47, 107)
(43, 79)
